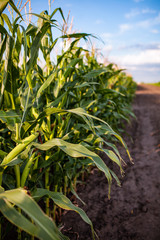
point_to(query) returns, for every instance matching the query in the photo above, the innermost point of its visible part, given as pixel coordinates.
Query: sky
(130, 30)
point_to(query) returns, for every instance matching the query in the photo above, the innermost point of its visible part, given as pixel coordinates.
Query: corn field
(55, 121)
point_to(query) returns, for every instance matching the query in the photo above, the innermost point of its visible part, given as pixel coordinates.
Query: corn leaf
(63, 202)
(76, 151)
(81, 112)
(95, 73)
(43, 227)
(77, 35)
(3, 30)
(9, 46)
(71, 67)
(35, 47)
(61, 12)
(3, 47)
(105, 91)
(10, 117)
(6, 19)
(3, 5)
(9, 211)
(46, 84)
(114, 158)
(18, 149)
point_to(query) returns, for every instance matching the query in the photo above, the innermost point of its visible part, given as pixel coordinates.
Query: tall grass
(53, 120)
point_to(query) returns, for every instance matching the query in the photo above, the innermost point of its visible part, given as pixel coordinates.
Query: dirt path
(134, 210)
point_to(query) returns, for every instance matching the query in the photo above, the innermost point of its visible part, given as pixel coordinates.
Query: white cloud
(145, 68)
(149, 22)
(135, 12)
(140, 46)
(145, 24)
(156, 20)
(149, 56)
(155, 31)
(125, 27)
(148, 10)
(132, 13)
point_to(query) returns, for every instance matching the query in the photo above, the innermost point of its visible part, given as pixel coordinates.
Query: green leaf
(3, 47)
(46, 83)
(1, 189)
(6, 19)
(110, 91)
(63, 202)
(61, 12)
(116, 178)
(77, 151)
(108, 130)
(95, 73)
(2, 154)
(35, 47)
(25, 110)
(77, 35)
(18, 149)
(114, 158)
(14, 162)
(111, 145)
(43, 227)
(71, 66)
(57, 101)
(9, 211)
(10, 117)
(31, 30)
(74, 193)
(9, 46)
(3, 5)
(3, 30)
(43, 17)
(86, 84)
(82, 113)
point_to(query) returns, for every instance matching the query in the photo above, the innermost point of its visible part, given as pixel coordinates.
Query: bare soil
(133, 212)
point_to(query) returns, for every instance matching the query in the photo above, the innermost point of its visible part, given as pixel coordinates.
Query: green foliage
(54, 120)
(41, 227)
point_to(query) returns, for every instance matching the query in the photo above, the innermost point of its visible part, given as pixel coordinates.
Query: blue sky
(130, 30)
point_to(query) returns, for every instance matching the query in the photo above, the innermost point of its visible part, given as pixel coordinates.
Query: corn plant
(53, 120)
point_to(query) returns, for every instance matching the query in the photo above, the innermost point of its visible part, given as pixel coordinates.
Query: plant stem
(1, 175)
(65, 185)
(47, 187)
(16, 167)
(55, 207)
(18, 177)
(26, 170)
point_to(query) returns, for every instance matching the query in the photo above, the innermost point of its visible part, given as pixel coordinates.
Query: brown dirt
(133, 212)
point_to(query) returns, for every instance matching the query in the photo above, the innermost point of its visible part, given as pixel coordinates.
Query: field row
(54, 122)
